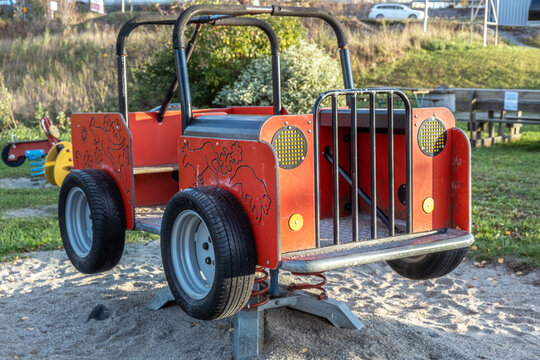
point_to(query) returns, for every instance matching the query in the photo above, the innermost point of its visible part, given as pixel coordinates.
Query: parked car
(394, 11)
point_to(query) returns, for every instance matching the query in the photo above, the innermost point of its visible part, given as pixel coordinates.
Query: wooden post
(472, 115)
(501, 125)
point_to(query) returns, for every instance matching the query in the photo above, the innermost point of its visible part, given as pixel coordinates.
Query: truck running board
(369, 251)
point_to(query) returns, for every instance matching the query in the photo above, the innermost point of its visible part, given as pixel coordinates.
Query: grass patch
(456, 63)
(533, 41)
(21, 235)
(20, 198)
(506, 200)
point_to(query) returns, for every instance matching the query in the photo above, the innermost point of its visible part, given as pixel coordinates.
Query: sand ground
(473, 313)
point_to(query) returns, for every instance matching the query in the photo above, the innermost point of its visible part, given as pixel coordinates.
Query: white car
(394, 11)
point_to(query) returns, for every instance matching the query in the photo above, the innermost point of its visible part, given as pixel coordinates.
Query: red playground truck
(240, 190)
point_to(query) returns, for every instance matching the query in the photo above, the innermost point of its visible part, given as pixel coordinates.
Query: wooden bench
(487, 113)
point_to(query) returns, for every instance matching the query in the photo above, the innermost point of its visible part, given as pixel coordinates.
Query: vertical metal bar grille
(391, 205)
(353, 179)
(335, 145)
(354, 167)
(373, 162)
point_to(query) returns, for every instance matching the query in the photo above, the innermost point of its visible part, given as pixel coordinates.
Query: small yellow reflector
(296, 221)
(428, 205)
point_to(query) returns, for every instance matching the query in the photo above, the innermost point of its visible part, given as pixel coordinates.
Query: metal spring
(318, 286)
(259, 296)
(36, 159)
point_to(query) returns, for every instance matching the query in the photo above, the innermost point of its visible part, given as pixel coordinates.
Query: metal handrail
(216, 20)
(179, 43)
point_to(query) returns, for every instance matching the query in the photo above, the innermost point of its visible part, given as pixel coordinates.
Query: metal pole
(123, 6)
(426, 3)
(472, 19)
(496, 11)
(486, 10)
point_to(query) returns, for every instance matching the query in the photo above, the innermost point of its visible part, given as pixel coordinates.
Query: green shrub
(220, 54)
(306, 72)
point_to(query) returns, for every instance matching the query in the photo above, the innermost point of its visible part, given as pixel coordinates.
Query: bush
(219, 56)
(306, 72)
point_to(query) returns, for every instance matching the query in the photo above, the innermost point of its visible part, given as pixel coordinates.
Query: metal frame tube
(375, 211)
(391, 205)
(185, 94)
(216, 20)
(122, 86)
(335, 167)
(240, 10)
(373, 163)
(354, 167)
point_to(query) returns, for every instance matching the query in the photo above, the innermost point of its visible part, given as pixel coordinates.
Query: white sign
(53, 5)
(511, 101)
(97, 6)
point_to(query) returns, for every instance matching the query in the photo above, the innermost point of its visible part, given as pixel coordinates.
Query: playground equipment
(249, 191)
(14, 154)
(59, 163)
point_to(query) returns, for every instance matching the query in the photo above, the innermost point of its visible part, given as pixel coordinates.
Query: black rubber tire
(429, 266)
(380, 17)
(413, 17)
(11, 163)
(234, 249)
(107, 218)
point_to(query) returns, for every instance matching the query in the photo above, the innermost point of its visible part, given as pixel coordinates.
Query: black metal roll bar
(179, 43)
(216, 20)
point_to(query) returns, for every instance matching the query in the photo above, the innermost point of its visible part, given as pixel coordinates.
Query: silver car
(394, 11)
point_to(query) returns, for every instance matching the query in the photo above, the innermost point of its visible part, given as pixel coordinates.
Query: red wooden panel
(432, 175)
(296, 186)
(102, 141)
(247, 169)
(461, 167)
(154, 189)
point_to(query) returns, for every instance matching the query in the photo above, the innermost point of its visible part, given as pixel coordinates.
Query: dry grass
(381, 43)
(74, 70)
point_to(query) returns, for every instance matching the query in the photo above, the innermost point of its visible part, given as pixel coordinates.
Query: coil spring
(259, 296)
(36, 159)
(318, 286)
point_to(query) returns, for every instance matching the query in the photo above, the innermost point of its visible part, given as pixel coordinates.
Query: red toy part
(461, 186)
(296, 186)
(247, 169)
(17, 149)
(102, 141)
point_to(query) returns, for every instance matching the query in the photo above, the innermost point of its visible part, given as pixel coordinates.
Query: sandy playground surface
(474, 313)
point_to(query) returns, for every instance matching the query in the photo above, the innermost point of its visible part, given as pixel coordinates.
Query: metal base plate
(249, 325)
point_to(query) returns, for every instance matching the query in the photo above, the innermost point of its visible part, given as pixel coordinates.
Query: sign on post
(511, 101)
(97, 6)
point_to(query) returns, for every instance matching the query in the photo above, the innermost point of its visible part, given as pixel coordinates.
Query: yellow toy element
(53, 130)
(428, 205)
(296, 221)
(59, 163)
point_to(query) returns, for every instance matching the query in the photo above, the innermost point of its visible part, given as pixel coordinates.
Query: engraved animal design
(227, 159)
(207, 165)
(253, 191)
(112, 145)
(107, 147)
(202, 161)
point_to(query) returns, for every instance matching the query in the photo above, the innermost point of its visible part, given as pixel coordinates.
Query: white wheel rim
(192, 253)
(78, 222)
